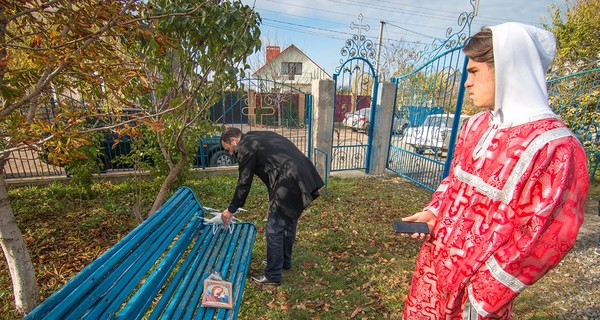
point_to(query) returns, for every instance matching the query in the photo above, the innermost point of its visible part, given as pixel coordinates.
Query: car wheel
(221, 158)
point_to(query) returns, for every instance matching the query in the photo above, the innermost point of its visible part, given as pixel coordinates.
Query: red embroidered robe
(508, 212)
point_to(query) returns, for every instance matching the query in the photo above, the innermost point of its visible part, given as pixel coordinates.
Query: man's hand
(423, 216)
(226, 216)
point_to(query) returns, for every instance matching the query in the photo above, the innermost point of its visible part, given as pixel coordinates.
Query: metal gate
(430, 98)
(574, 93)
(259, 104)
(268, 105)
(355, 97)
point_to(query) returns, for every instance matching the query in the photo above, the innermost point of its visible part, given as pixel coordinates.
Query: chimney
(272, 52)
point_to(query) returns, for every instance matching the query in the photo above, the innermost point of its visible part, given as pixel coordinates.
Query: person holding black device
(511, 207)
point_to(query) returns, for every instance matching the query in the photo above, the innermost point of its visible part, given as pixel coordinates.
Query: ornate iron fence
(259, 104)
(575, 97)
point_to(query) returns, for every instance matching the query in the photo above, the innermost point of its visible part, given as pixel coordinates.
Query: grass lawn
(348, 263)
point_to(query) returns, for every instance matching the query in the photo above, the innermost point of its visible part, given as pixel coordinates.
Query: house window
(291, 69)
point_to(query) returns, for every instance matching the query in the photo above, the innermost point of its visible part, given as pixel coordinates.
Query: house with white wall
(290, 66)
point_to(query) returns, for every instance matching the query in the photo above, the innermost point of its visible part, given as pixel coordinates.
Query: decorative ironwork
(349, 154)
(358, 45)
(453, 39)
(263, 104)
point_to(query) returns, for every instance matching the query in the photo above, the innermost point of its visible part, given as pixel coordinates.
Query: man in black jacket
(292, 181)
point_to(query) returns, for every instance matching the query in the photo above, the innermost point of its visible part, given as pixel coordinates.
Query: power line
(367, 5)
(427, 14)
(412, 31)
(337, 34)
(336, 31)
(286, 25)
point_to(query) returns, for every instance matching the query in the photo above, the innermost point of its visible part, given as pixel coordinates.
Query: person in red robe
(511, 207)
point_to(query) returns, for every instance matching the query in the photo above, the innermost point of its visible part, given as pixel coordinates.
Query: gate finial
(358, 46)
(360, 26)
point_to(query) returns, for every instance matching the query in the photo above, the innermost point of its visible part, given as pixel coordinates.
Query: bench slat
(183, 270)
(83, 282)
(175, 307)
(240, 270)
(107, 297)
(192, 298)
(170, 260)
(138, 303)
(158, 269)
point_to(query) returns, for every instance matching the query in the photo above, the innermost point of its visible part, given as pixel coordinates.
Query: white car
(433, 134)
(360, 121)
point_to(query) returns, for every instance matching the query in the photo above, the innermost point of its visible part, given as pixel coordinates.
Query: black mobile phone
(411, 227)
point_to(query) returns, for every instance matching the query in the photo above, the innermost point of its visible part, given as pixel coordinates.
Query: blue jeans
(281, 234)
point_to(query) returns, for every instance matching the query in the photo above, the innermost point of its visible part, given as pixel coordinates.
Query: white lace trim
(507, 192)
(434, 210)
(442, 188)
(469, 313)
(484, 142)
(476, 304)
(527, 157)
(503, 277)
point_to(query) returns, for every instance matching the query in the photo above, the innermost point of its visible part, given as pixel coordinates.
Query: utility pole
(381, 23)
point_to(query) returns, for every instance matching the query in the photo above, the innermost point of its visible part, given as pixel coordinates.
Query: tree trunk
(172, 176)
(166, 185)
(21, 270)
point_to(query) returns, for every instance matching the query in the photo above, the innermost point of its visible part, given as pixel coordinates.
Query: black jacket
(292, 180)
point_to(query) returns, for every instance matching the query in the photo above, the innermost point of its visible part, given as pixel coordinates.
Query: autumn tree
(49, 49)
(397, 59)
(207, 53)
(86, 61)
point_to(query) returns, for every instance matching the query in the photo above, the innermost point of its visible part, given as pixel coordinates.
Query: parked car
(360, 121)
(211, 153)
(113, 150)
(433, 134)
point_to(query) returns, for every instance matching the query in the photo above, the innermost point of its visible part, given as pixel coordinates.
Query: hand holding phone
(411, 227)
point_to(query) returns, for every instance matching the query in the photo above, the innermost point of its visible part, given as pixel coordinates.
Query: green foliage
(202, 52)
(574, 88)
(577, 31)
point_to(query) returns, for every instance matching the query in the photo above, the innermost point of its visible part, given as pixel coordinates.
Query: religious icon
(217, 294)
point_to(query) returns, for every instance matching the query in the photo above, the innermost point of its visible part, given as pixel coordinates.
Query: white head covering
(522, 54)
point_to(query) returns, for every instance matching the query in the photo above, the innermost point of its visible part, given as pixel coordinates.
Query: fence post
(384, 116)
(322, 122)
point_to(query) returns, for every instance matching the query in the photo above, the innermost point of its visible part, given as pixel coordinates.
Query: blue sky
(321, 27)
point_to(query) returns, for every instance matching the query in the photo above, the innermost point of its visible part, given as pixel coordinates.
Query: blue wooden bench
(158, 270)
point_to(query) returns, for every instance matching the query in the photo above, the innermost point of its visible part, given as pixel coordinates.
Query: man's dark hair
(229, 133)
(480, 47)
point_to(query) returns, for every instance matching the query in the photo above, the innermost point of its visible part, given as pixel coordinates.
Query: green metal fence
(575, 97)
